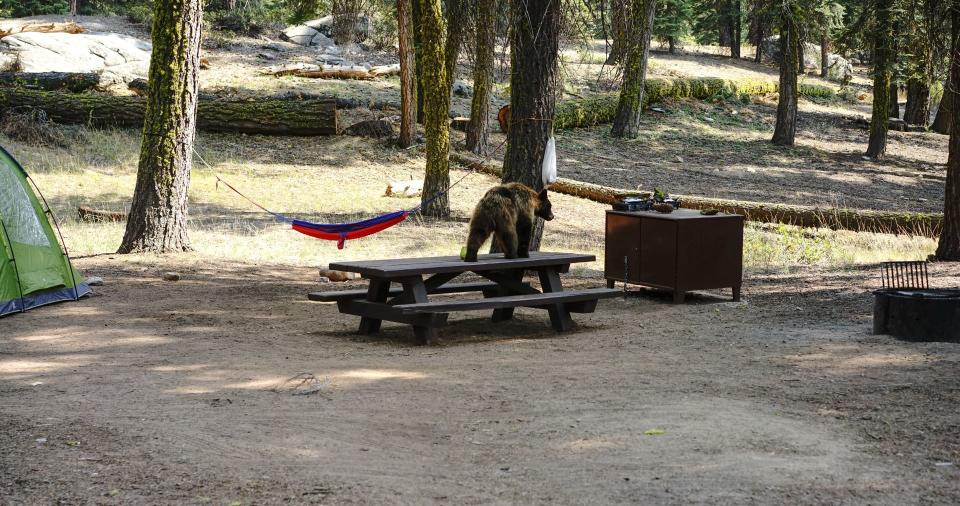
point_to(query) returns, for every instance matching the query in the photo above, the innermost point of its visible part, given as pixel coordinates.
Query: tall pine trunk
(944, 119)
(482, 76)
(825, 53)
(417, 21)
(436, 108)
(949, 246)
(735, 29)
(917, 111)
(785, 132)
(882, 70)
(534, 48)
(456, 17)
(626, 123)
(158, 216)
(408, 74)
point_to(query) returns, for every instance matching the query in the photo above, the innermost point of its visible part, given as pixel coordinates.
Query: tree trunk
(825, 53)
(757, 30)
(882, 63)
(672, 44)
(534, 49)
(627, 121)
(917, 111)
(735, 25)
(73, 8)
(417, 55)
(948, 247)
(724, 25)
(894, 99)
(158, 215)
(436, 108)
(942, 123)
(786, 128)
(270, 116)
(408, 85)
(482, 76)
(456, 18)
(620, 26)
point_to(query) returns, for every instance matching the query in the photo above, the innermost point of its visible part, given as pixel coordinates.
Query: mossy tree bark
(949, 246)
(785, 131)
(456, 17)
(627, 121)
(158, 215)
(736, 36)
(436, 108)
(534, 49)
(944, 119)
(482, 76)
(882, 71)
(408, 73)
(418, 62)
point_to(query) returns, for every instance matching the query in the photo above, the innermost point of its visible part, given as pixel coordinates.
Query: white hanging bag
(549, 168)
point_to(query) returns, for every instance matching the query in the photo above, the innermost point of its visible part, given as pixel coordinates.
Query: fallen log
(68, 27)
(315, 116)
(310, 70)
(601, 108)
(857, 220)
(385, 70)
(49, 81)
(87, 213)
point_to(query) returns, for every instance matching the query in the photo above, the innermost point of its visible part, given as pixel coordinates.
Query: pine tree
(626, 123)
(436, 108)
(158, 216)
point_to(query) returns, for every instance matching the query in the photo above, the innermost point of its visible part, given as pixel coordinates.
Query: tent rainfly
(34, 270)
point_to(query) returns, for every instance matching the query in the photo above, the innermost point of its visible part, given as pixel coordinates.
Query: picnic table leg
(377, 292)
(559, 314)
(504, 314)
(416, 289)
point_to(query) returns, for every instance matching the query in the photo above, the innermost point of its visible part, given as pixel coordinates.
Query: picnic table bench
(419, 278)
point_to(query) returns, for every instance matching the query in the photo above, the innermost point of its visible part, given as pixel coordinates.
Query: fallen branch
(68, 27)
(87, 213)
(857, 220)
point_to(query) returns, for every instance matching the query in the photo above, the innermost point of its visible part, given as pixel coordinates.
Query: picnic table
(420, 278)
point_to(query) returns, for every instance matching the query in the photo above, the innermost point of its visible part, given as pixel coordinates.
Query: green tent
(34, 270)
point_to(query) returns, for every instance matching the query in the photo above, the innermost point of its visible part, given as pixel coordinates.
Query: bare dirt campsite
(207, 376)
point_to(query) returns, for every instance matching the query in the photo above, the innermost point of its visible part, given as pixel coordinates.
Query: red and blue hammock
(339, 232)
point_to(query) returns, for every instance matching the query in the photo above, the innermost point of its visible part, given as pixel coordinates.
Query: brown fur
(508, 211)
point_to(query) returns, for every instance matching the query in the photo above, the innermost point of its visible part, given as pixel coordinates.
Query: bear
(507, 211)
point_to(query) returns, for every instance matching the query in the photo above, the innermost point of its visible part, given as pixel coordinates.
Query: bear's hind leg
(508, 240)
(476, 239)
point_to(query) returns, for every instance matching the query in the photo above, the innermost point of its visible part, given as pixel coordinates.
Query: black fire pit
(926, 314)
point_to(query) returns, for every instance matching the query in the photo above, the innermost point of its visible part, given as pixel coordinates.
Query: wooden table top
(401, 267)
(677, 215)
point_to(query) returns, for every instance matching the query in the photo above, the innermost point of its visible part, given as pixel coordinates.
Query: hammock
(339, 232)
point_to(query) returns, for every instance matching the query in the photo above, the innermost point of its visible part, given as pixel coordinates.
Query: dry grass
(343, 179)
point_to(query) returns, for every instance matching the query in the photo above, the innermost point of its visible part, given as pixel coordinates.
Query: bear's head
(543, 209)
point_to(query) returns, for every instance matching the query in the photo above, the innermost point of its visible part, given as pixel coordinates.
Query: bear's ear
(543, 194)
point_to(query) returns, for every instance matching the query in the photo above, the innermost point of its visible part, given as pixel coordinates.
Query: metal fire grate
(911, 274)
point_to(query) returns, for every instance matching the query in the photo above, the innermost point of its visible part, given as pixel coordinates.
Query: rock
(376, 128)
(462, 89)
(324, 25)
(115, 57)
(267, 56)
(94, 281)
(322, 41)
(840, 69)
(171, 276)
(324, 280)
(460, 123)
(300, 34)
(138, 86)
(811, 52)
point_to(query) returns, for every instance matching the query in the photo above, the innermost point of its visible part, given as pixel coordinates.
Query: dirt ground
(154, 392)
